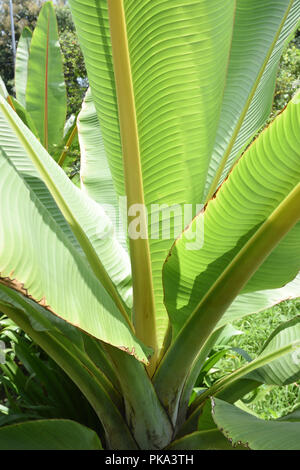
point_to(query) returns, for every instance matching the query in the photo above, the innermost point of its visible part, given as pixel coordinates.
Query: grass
(270, 402)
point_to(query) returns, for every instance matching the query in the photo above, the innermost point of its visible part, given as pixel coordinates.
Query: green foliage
(74, 68)
(48, 435)
(64, 18)
(33, 387)
(268, 402)
(46, 99)
(137, 318)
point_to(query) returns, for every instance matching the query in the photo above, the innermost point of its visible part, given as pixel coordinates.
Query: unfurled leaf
(46, 99)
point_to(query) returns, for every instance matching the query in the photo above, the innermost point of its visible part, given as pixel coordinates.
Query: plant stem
(144, 308)
(10, 102)
(149, 422)
(62, 157)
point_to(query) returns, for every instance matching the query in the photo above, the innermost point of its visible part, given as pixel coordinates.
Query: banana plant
(131, 307)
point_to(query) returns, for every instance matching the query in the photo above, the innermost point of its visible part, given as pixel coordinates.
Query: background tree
(74, 68)
(288, 74)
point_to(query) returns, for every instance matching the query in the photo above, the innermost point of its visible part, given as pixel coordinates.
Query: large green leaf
(254, 433)
(16, 140)
(37, 259)
(38, 255)
(178, 62)
(247, 219)
(46, 98)
(21, 67)
(48, 435)
(40, 318)
(245, 202)
(260, 31)
(95, 174)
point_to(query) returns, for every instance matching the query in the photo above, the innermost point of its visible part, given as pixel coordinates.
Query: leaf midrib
(46, 85)
(143, 292)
